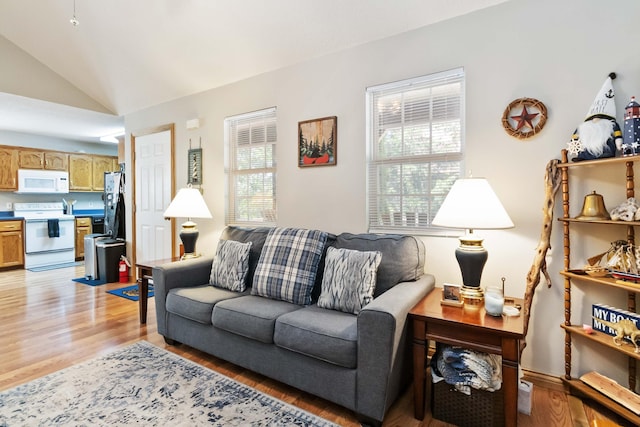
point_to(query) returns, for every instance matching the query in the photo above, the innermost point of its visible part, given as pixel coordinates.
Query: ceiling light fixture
(74, 21)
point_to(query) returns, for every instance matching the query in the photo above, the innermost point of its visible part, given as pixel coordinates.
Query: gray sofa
(361, 362)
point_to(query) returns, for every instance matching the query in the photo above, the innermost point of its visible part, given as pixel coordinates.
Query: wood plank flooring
(48, 322)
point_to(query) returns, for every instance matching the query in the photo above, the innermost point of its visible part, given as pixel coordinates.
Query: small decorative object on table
(451, 295)
(494, 300)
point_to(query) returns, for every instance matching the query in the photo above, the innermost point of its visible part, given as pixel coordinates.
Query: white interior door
(153, 195)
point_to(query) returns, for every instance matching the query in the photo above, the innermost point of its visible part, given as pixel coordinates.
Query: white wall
(557, 52)
(21, 74)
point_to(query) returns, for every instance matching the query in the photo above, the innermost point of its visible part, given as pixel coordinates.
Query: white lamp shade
(188, 203)
(472, 204)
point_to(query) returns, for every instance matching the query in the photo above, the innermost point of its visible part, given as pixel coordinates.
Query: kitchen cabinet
(86, 171)
(80, 172)
(101, 164)
(30, 159)
(8, 168)
(11, 244)
(83, 227)
(56, 161)
(576, 236)
(39, 159)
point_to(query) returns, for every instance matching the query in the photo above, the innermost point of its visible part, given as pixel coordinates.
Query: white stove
(49, 234)
(47, 210)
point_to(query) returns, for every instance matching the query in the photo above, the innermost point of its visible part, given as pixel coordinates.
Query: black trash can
(109, 253)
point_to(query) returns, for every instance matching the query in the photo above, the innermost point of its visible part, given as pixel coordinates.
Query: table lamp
(188, 203)
(472, 204)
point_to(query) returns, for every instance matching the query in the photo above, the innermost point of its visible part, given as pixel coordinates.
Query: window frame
(232, 125)
(378, 221)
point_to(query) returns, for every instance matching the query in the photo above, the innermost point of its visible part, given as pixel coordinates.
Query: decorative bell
(593, 207)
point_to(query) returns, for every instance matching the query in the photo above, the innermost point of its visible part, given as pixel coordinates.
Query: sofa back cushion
(402, 256)
(256, 236)
(288, 264)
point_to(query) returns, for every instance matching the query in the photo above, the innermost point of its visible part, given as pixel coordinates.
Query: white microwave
(42, 181)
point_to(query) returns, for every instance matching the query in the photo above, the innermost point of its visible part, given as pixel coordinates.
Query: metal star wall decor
(524, 117)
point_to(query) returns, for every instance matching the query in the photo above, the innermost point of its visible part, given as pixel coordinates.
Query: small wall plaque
(195, 166)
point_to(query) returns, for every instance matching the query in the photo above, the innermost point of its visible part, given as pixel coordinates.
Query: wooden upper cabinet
(80, 172)
(30, 159)
(101, 164)
(38, 159)
(56, 161)
(8, 168)
(86, 171)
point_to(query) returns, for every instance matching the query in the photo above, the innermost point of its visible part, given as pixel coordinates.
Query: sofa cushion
(250, 316)
(349, 279)
(231, 265)
(196, 303)
(324, 334)
(288, 264)
(402, 256)
(256, 236)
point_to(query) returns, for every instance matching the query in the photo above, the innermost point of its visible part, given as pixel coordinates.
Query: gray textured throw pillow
(230, 265)
(349, 279)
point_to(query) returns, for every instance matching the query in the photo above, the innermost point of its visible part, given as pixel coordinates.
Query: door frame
(157, 129)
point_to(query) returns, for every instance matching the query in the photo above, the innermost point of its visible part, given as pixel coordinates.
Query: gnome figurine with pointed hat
(599, 136)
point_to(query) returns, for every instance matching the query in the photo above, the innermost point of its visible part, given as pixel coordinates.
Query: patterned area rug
(144, 385)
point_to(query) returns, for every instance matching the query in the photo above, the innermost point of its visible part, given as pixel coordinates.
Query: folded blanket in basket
(466, 369)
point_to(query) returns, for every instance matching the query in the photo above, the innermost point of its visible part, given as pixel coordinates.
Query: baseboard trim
(543, 380)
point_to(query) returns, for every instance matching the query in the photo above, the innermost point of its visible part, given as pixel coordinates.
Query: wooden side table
(145, 272)
(468, 328)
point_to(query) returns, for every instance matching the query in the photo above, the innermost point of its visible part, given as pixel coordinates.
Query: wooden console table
(468, 328)
(145, 272)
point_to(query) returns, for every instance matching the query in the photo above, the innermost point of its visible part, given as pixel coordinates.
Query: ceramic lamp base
(189, 235)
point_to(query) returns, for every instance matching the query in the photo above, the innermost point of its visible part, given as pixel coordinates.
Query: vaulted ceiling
(131, 54)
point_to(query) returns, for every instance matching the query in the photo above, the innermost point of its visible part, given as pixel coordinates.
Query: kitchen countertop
(79, 213)
(8, 216)
(83, 213)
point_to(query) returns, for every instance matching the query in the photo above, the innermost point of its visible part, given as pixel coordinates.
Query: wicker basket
(481, 408)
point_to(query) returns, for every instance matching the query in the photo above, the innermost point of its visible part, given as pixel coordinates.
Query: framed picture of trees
(318, 142)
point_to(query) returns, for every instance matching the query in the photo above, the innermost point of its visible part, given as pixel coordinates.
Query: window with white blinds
(415, 143)
(250, 168)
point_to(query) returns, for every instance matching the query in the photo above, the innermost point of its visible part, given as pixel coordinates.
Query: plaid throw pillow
(349, 279)
(230, 266)
(288, 264)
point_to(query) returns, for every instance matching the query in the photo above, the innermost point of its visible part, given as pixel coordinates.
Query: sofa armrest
(384, 361)
(178, 274)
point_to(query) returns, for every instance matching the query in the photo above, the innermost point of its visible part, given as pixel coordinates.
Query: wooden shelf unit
(576, 386)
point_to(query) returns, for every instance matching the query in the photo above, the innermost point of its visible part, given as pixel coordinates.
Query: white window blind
(250, 168)
(415, 141)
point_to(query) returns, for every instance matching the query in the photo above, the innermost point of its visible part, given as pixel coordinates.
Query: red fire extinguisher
(123, 267)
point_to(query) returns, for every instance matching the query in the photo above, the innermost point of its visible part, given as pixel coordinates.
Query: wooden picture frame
(451, 295)
(195, 166)
(318, 142)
